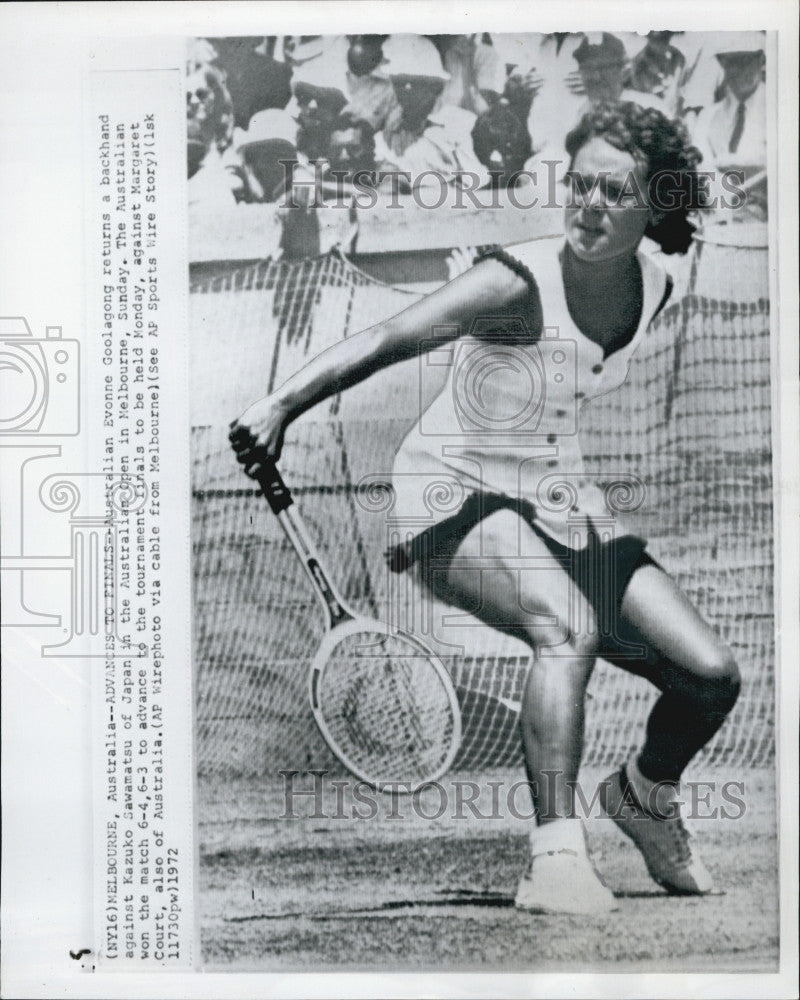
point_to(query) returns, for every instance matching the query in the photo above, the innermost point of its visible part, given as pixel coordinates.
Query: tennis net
(693, 422)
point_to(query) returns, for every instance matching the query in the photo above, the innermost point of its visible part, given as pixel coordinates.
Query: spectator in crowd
(731, 133)
(439, 106)
(519, 92)
(371, 94)
(364, 53)
(213, 178)
(429, 146)
(659, 69)
(209, 108)
(268, 152)
(351, 163)
(351, 64)
(254, 78)
(352, 148)
(477, 74)
(602, 64)
(501, 143)
(518, 55)
(548, 76)
(319, 89)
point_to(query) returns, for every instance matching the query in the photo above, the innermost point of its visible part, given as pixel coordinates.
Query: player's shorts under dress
(503, 433)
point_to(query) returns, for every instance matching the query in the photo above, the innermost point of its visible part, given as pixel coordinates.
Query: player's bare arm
(490, 288)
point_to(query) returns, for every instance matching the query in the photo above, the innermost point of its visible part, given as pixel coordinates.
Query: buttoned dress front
(506, 421)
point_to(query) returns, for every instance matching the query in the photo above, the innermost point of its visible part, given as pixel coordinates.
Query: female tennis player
(575, 310)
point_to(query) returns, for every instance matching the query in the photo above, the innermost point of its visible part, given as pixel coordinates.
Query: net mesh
(385, 708)
(692, 421)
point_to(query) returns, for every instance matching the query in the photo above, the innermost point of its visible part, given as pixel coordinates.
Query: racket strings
(386, 707)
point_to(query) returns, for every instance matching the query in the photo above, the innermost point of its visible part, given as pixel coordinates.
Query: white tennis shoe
(665, 843)
(563, 881)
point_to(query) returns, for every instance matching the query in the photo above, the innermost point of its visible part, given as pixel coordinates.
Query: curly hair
(664, 149)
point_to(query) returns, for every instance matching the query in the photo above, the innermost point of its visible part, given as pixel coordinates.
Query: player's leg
(694, 669)
(699, 681)
(531, 597)
(510, 580)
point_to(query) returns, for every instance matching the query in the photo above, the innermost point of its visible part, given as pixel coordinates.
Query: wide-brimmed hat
(326, 71)
(412, 55)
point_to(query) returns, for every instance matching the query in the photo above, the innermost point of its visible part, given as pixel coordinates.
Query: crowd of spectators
(263, 112)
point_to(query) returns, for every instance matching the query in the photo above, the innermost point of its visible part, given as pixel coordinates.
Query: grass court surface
(411, 893)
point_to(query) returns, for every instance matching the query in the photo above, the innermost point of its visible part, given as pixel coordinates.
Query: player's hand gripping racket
(383, 701)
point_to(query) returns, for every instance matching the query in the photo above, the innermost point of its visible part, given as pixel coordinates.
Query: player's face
(607, 211)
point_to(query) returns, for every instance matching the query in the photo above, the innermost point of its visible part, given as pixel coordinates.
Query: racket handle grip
(274, 488)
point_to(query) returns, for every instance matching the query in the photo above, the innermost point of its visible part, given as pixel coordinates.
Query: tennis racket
(383, 701)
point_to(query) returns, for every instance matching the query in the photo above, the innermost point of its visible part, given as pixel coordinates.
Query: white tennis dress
(506, 420)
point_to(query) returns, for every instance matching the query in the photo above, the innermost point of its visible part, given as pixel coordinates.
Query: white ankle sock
(560, 834)
(658, 798)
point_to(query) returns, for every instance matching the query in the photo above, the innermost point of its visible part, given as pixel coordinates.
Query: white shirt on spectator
(715, 126)
(712, 134)
(557, 105)
(473, 67)
(372, 98)
(444, 147)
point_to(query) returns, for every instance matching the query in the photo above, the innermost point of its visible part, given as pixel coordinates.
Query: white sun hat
(266, 126)
(412, 55)
(327, 71)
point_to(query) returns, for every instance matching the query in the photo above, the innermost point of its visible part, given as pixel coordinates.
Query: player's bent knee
(562, 640)
(546, 637)
(722, 680)
(585, 643)
(574, 634)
